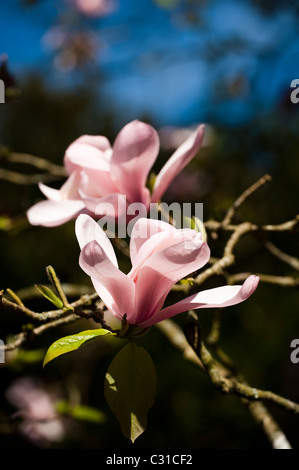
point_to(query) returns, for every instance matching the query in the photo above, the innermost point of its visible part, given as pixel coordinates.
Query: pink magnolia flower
(161, 255)
(99, 174)
(95, 7)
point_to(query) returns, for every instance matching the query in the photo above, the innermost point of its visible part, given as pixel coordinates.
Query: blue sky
(155, 62)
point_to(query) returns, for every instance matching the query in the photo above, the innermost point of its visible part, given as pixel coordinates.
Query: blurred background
(74, 67)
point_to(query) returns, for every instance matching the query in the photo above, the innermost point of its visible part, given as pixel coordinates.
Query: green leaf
(5, 223)
(196, 224)
(50, 295)
(81, 412)
(130, 387)
(73, 342)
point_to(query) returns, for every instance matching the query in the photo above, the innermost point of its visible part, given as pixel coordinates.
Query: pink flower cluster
(161, 255)
(99, 174)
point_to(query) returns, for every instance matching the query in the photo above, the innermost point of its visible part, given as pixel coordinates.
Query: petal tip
(249, 286)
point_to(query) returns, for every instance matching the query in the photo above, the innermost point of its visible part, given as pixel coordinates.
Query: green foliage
(196, 224)
(81, 412)
(130, 387)
(50, 295)
(73, 342)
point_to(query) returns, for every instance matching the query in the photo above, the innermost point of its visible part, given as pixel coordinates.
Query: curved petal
(134, 152)
(70, 188)
(224, 296)
(98, 141)
(143, 230)
(115, 289)
(87, 230)
(84, 155)
(160, 236)
(52, 213)
(181, 157)
(50, 193)
(162, 270)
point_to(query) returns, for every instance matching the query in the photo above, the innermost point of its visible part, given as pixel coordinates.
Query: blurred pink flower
(39, 421)
(100, 173)
(161, 255)
(72, 49)
(95, 7)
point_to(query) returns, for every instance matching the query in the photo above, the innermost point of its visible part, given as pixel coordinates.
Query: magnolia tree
(108, 189)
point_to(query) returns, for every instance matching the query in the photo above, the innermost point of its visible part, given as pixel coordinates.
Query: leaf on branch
(50, 295)
(73, 342)
(130, 387)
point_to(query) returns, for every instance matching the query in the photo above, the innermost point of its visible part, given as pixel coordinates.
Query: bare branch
(24, 336)
(288, 259)
(245, 195)
(218, 374)
(284, 281)
(26, 180)
(37, 162)
(48, 315)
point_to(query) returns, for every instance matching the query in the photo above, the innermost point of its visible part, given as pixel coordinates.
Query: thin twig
(25, 180)
(48, 315)
(214, 226)
(56, 283)
(269, 426)
(37, 162)
(176, 337)
(71, 290)
(288, 259)
(22, 337)
(284, 281)
(242, 198)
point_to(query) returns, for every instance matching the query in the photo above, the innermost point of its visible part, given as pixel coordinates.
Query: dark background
(171, 63)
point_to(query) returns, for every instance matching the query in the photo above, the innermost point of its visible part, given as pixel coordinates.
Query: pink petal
(95, 183)
(52, 213)
(162, 270)
(150, 236)
(113, 206)
(143, 230)
(70, 189)
(181, 157)
(50, 193)
(88, 230)
(224, 296)
(98, 141)
(115, 289)
(134, 152)
(84, 154)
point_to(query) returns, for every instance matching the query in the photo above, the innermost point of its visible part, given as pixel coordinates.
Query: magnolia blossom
(161, 255)
(39, 421)
(95, 7)
(99, 174)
